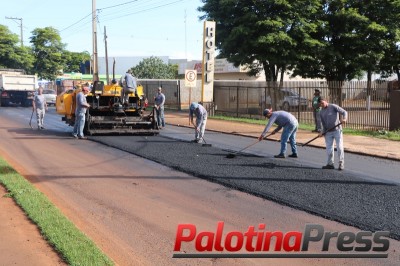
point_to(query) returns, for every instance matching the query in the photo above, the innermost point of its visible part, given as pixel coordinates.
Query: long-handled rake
(205, 144)
(30, 121)
(326, 131)
(233, 155)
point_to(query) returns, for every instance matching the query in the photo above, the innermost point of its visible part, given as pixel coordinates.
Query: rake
(233, 155)
(326, 131)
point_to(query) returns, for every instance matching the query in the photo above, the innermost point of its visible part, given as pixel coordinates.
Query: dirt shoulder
(21, 242)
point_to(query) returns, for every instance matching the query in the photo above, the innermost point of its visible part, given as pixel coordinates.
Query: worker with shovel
(333, 131)
(200, 112)
(289, 124)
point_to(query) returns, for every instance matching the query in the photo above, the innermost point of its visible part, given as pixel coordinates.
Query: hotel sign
(208, 61)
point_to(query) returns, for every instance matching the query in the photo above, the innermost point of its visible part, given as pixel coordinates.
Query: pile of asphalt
(332, 194)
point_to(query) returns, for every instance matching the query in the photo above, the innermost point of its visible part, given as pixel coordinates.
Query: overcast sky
(134, 28)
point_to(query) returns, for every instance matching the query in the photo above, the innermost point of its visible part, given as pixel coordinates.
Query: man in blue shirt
(289, 124)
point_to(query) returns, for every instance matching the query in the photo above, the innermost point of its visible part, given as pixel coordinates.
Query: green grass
(73, 246)
(382, 134)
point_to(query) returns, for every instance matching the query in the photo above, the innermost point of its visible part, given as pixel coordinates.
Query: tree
(74, 60)
(48, 51)
(154, 68)
(11, 54)
(354, 39)
(262, 34)
(336, 40)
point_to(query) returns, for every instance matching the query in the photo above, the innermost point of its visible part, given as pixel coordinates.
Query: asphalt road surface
(131, 206)
(344, 196)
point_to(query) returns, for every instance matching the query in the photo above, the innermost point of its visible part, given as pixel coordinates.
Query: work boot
(280, 155)
(341, 166)
(293, 155)
(328, 166)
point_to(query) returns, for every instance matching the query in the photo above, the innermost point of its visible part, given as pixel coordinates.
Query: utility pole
(105, 44)
(22, 32)
(94, 41)
(185, 38)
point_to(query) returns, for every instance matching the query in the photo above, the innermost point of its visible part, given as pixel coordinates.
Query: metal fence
(368, 105)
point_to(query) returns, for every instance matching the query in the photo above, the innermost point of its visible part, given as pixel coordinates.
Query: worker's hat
(267, 112)
(193, 106)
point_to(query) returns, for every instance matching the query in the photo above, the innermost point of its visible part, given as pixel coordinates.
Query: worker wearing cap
(200, 112)
(316, 109)
(80, 113)
(289, 124)
(332, 131)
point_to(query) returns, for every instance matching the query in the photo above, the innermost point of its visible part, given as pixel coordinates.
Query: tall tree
(155, 68)
(11, 54)
(74, 60)
(353, 40)
(48, 50)
(262, 34)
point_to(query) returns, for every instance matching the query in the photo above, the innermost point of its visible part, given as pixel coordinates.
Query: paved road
(349, 197)
(344, 196)
(365, 195)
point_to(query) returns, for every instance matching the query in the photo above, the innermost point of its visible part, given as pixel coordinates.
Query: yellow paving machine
(107, 114)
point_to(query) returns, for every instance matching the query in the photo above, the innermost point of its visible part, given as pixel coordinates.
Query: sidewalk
(375, 147)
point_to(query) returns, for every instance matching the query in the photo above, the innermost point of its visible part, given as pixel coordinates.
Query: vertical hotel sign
(208, 61)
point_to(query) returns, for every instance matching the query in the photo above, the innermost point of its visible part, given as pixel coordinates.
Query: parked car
(50, 96)
(290, 100)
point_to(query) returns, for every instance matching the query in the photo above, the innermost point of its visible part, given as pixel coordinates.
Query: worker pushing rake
(284, 120)
(200, 112)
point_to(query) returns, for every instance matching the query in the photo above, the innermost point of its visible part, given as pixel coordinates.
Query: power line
(117, 5)
(77, 22)
(143, 10)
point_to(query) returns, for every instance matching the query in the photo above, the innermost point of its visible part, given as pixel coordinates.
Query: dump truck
(16, 88)
(107, 115)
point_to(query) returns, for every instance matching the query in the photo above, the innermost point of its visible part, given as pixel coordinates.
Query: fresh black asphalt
(332, 194)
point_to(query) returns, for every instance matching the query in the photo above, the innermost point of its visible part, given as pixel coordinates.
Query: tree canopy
(13, 55)
(330, 39)
(48, 51)
(155, 68)
(73, 60)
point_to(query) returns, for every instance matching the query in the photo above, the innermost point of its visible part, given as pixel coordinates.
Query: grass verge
(382, 134)
(73, 246)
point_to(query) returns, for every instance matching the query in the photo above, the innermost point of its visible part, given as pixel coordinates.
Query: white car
(289, 99)
(50, 96)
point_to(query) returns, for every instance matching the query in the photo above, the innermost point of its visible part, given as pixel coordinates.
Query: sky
(134, 28)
